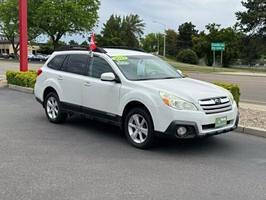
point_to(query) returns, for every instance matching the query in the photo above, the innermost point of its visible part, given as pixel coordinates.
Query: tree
(9, 23)
(84, 43)
(151, 41)
(232, 39)
(118, 31)
(132, 29)
(111, 32)
(253, 19)
(48, 48)
(253, 22)
(186, 32)
(171, 42)
(73, 42)
(56, 18)
(252, 48)
(200, 44)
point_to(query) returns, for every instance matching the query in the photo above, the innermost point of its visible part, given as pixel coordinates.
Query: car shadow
(113, 134)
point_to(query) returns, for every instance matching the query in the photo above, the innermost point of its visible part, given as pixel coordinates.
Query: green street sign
(218, 46)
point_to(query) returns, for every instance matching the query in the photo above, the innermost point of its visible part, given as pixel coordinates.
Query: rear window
(57, 62)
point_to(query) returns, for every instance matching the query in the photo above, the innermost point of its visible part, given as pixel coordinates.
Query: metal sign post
(217, 47)
(23, 35)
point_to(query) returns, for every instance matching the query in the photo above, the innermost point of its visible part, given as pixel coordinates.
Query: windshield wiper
(170, 77)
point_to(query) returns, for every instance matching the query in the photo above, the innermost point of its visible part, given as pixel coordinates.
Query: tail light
(39, 71)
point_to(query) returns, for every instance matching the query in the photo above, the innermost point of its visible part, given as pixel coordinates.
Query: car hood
(186, 88)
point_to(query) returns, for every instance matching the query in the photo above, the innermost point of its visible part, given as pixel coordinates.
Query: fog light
(181, 131)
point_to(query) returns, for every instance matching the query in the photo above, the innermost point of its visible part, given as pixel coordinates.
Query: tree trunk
(15, 48)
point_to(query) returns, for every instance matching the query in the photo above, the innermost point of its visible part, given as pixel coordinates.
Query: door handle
(60, 78)
(87, 84)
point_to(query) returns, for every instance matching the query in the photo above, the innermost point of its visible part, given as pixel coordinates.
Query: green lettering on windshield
(120, 58)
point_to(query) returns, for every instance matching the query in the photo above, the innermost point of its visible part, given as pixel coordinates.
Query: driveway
(84, 159)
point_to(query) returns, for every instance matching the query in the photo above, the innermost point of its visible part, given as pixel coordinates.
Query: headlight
(176, 102)
(231, 98)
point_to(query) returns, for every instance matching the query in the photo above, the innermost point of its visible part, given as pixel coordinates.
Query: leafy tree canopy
(56, 18)
(122, 31)
(9, 23)
(186, 32)
(253, 19)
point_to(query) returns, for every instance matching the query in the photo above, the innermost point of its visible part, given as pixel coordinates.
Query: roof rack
(79, 48)
(124, 47)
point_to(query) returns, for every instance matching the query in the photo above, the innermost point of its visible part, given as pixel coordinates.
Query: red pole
(23, 36)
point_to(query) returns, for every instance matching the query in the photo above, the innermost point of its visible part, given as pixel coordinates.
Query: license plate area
(220, 122)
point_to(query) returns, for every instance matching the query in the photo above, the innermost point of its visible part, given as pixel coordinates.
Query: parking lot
(84, 159)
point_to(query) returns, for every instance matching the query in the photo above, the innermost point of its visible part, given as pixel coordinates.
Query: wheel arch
(135, 104)
(48, 90)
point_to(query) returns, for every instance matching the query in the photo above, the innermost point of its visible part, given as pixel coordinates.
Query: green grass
(186, 68)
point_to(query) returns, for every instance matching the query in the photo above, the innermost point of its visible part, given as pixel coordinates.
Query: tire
(53, 109)
(139, 133)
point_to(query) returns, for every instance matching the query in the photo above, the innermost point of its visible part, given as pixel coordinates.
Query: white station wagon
(137, 91)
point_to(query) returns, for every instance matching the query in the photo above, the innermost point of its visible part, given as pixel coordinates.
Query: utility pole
(164, 48)
(165, 27)
(23, 35)
(158, 44)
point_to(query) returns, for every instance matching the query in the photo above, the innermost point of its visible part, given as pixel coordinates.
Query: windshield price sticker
(120, 58)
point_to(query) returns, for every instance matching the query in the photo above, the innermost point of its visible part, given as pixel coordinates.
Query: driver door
(100, 97)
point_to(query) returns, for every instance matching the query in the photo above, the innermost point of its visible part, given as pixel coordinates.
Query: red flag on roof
(92, 42)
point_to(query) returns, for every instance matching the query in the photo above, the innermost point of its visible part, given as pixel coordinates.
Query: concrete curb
(21, 89)
(252, 131)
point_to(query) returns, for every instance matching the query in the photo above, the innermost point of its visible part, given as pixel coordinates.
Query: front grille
(215, 105)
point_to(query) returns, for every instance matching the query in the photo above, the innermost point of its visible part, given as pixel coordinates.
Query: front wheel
(139, 128)
(53, 109)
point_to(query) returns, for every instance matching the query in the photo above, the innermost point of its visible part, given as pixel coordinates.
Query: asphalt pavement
(252, 88)
(84, 159)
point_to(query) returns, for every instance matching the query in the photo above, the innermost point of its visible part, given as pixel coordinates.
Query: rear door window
(76, 63)
(57, 62)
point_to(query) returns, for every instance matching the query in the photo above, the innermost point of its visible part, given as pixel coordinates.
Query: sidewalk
(242, 74)
(252, 115)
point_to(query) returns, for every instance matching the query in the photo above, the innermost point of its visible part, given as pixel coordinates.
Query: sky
(172, 13)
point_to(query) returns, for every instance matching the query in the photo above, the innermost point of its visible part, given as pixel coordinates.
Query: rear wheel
(139, 128)
(53, 109)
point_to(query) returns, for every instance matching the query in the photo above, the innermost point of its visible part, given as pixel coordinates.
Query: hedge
(233, 88)
(24, 79)
(188, 56)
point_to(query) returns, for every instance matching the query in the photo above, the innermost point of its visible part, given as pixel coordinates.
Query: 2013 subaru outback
(137, 91)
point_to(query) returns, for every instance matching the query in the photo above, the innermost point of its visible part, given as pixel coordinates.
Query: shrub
(233, 88)
(188, 56)
(24, 79)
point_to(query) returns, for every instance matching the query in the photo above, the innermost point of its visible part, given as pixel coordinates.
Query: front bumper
(193, 131)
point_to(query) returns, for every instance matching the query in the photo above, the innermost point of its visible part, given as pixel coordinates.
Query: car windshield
(137, 68)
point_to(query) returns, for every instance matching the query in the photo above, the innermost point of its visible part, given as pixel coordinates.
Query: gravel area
(253, 116)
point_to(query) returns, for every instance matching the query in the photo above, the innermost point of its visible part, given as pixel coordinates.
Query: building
(6, 47)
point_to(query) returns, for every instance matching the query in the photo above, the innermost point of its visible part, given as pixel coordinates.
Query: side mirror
(108, 76)
(180, 72)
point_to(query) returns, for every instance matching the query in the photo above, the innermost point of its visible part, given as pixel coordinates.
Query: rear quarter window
(57, 62)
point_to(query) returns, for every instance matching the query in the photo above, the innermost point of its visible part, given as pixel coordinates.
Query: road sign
(218, 46)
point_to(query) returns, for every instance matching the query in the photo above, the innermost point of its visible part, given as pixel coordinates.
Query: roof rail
(79, 48)
(124, 47)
